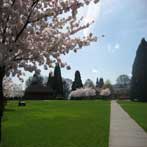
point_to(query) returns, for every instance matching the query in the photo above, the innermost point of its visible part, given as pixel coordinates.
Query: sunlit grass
(56, 124)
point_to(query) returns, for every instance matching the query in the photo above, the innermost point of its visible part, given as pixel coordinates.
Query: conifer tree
(50, 81)
(58, 84)
(101, 83)
(139, 73)
(77, 82)
(97, 82)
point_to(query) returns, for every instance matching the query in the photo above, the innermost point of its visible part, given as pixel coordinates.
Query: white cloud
(117, 46)
(94, 71)
(113, 49)
(130, 75)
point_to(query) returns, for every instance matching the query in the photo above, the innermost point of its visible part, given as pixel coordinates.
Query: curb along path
(124, 131)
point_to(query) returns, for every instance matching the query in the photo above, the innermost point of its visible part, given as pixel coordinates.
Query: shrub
(82, 93)
(105, 92)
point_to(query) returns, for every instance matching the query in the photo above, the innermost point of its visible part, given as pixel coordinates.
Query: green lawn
(137, 110)
(56, 124)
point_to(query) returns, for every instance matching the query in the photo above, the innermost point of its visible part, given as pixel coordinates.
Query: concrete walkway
(124, 131)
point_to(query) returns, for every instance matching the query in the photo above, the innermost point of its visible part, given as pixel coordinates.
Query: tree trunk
(2, 73)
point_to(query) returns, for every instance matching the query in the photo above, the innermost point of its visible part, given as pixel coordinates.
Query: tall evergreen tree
(77, 82)
(50, 81)
(58, 84)
(97, 82)
(139, 73)
(101, 83)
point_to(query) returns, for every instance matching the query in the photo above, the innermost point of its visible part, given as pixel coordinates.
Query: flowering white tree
(38, 30)
(11, 90)
(82, 93)
(8, 87)
(105, 92)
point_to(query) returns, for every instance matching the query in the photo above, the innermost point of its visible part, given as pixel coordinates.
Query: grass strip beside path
(137, 110)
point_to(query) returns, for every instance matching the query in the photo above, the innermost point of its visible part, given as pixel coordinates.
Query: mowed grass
(137, 110)
(56, 124)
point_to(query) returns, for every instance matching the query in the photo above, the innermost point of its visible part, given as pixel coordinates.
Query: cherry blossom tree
(38, 30)
(8, 87)
(82, 93)
(105, 92)
(12, 90)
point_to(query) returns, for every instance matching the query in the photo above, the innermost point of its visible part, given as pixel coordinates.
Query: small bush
(82, 93)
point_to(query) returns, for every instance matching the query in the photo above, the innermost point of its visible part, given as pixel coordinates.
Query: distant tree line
(136, 85)
(56, 87)
(100, 83)
(53, 88)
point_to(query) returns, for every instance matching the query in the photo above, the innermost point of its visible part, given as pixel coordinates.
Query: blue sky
(124, 24)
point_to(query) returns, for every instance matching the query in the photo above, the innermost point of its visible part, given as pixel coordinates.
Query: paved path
(124, 131)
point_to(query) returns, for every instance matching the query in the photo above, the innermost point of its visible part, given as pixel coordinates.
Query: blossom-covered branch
(40, 30)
